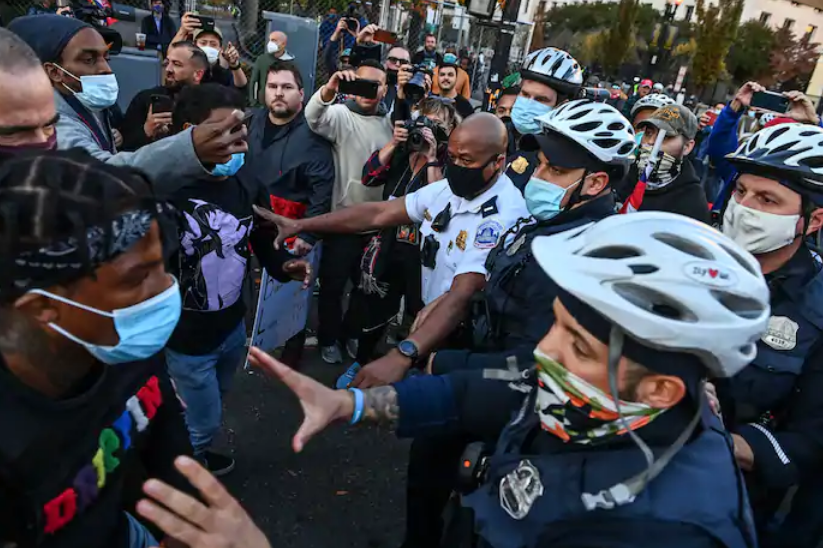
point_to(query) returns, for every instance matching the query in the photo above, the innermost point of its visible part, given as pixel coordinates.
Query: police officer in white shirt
(462, 218)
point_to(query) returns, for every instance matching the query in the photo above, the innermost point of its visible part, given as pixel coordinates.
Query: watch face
(407, 348)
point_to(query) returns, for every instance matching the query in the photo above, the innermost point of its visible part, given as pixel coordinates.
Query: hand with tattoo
(322, 405)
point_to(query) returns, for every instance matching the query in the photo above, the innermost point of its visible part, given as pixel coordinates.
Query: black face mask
(467, 182)
(391, 77)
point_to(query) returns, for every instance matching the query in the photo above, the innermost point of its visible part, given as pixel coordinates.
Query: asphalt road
(345, 490)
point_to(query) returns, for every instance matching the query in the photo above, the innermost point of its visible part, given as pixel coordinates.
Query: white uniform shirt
(474, 229)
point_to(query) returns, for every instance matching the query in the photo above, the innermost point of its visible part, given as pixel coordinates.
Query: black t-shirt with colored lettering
(70, 467)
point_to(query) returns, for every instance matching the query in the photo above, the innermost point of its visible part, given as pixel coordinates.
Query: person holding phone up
(723, 139)
(149, 114)
(356, 129)
(224, 61)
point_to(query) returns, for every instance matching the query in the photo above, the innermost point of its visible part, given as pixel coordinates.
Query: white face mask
(272, 47)
(212, 54)
(757, 231)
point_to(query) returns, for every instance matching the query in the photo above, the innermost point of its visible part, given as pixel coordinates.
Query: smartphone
(360, 87)
(206, 23)
(712, 116)
(161, 103)
(385, 37)
(768, 100)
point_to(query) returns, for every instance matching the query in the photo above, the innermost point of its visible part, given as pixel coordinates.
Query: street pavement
(345, 490)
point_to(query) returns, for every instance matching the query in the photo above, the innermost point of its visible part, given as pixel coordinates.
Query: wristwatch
(409, 349)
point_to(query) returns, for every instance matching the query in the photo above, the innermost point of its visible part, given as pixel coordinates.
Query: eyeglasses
(396, 60)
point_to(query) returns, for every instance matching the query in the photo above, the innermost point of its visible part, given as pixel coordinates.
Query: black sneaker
(218, 464)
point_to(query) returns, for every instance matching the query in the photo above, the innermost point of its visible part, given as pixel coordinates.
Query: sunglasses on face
(396, 60)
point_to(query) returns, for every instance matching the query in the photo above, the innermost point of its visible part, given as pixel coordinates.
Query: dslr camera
(416, 142)
(89, 12)
(415, 89)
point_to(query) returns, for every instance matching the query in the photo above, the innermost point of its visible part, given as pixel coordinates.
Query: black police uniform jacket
(515, 309)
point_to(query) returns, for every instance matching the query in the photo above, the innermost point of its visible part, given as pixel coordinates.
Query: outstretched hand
(219, 523)
(321, 405)
(286, 228)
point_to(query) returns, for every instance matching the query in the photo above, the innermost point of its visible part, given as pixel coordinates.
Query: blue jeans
(202, 381)
(139, 536)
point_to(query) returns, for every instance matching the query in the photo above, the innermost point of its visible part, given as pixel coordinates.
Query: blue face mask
(543, 198)
(638, 138)
(524, 113)
(231, 167)
(99, 91)
(143, 329)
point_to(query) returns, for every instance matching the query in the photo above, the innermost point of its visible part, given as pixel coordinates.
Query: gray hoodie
(168, 162)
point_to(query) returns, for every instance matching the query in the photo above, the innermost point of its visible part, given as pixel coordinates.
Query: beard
(282, 111)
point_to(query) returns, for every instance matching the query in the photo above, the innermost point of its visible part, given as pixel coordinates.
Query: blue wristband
(358, 405)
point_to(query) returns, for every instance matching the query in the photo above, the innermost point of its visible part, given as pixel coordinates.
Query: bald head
(279, 37)
(16, 56)
(27, 112)
(484, 133)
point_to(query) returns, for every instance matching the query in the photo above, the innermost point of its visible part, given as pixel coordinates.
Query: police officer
(550, 77)
(583, 147)
(608, 441)
(774, 408)
(461, 217)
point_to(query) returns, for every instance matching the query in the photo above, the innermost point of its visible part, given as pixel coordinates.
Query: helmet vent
(812, 162)
(588, 126)
(782, 148)
(625, 149)
(615, 126)
(643, 268)
(613, 252)
(684, 245)
(777, 133)
(654, 302)
(606, 143)
(743, 307)
(740, 260)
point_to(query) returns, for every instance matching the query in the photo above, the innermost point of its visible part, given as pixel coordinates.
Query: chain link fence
(456, 30)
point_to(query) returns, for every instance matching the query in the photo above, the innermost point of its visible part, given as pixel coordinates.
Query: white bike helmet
(652, 101)
(789, 153)
(670, 282)
(767, 117)
(555, 68)
(597, 127)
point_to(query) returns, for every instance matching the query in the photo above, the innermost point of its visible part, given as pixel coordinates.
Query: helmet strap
(625, 492)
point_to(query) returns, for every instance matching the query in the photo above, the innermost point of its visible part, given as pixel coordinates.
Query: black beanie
(47, 34)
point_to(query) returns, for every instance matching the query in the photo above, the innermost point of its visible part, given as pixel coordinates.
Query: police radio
(474, 464)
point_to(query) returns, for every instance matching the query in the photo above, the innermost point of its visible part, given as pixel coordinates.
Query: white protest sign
(282, 308)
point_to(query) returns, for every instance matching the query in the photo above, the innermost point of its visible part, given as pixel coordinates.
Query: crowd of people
(603, 348)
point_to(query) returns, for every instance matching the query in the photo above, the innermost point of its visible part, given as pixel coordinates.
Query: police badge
(516, 245)
(461, 240)
(519, 489)
(520, 165)
(781, 334)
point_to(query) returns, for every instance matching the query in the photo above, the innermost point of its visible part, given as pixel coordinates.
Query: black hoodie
(293, 163)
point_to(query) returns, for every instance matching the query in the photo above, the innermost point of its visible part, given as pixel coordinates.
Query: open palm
(321, 405)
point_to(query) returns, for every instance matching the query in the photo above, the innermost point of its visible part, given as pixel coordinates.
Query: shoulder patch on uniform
(520, 165)
(487, 235)
(489, 207)
(781, 333)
